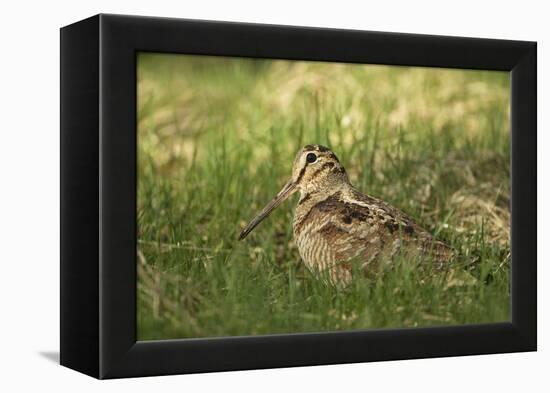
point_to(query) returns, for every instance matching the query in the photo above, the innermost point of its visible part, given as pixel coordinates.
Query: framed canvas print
(239, 196)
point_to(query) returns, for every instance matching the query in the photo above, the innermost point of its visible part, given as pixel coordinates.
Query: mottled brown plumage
(335, 224)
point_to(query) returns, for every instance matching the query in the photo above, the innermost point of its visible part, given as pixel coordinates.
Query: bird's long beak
(288, 189)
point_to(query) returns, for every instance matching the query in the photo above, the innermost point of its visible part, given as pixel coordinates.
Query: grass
(216, 140)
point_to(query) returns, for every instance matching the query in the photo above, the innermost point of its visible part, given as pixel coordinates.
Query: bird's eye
(311, 158)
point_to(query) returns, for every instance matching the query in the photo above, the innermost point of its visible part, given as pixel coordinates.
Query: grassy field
(216, 140)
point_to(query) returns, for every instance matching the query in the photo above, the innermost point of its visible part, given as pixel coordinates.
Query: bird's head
(316, 169)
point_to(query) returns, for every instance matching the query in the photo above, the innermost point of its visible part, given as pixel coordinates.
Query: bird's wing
(359, 225)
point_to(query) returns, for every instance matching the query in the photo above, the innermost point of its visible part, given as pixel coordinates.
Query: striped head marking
(315, 169)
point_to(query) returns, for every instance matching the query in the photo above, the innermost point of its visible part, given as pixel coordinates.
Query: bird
(335, 224)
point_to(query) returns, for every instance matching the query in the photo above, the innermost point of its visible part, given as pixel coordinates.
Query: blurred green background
(216, 140)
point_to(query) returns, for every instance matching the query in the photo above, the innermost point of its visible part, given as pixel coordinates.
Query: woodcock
(335, 224)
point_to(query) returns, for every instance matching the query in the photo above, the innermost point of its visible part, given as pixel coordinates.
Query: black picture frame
(98, 195)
